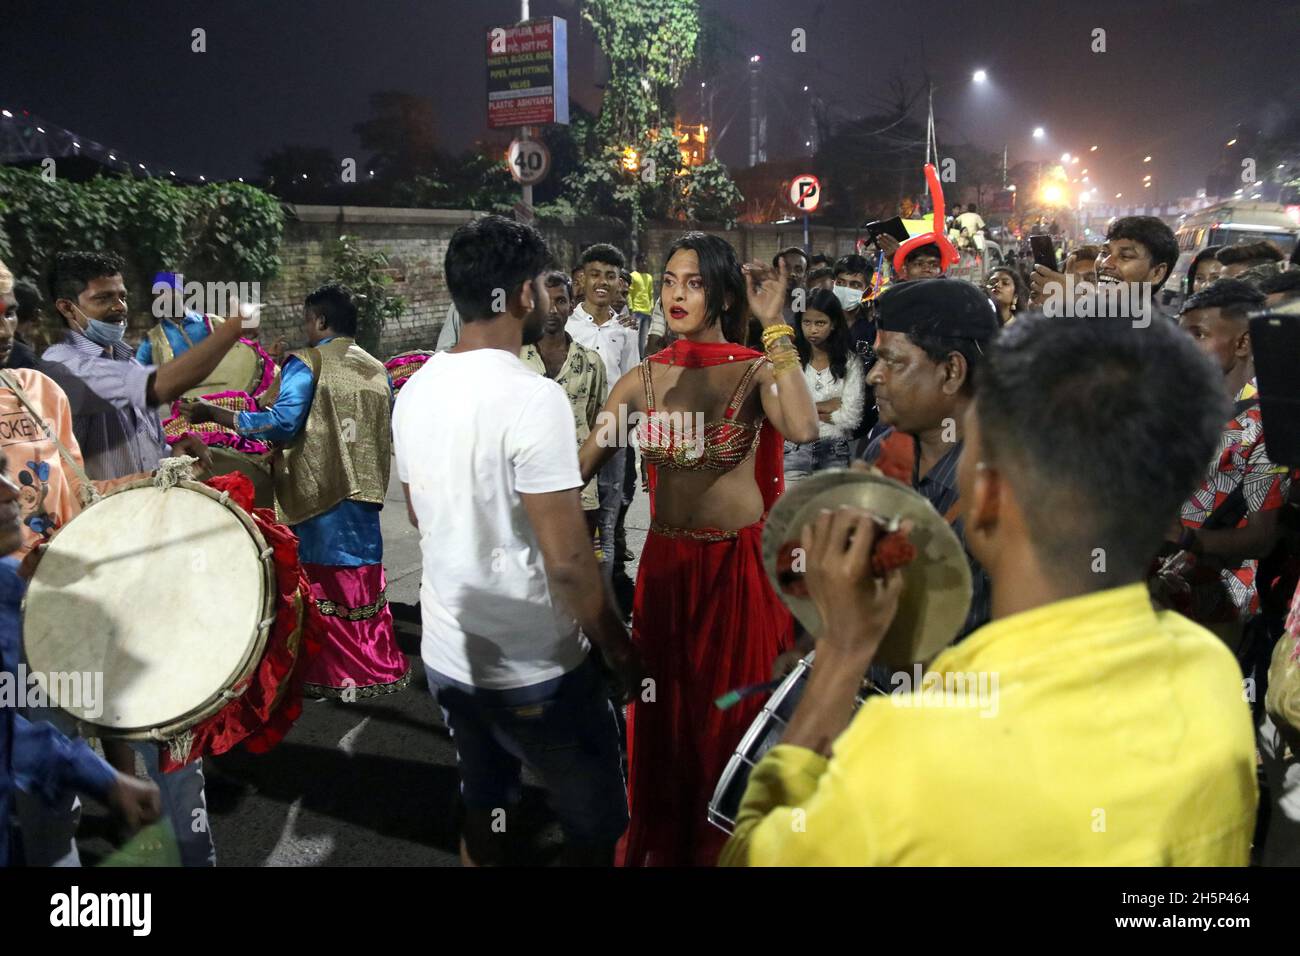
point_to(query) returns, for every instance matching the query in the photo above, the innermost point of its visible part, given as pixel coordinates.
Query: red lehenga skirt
(707, 621)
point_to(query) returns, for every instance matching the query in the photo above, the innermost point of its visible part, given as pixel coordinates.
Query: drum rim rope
(173, 732)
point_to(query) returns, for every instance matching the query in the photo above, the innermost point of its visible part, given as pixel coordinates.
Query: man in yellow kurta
(1088, 728)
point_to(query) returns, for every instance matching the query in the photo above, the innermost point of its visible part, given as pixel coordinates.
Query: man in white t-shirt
(972, 226)
(486, 457)
(595, 325)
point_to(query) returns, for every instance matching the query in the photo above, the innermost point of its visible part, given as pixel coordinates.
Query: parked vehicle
(1224, 224)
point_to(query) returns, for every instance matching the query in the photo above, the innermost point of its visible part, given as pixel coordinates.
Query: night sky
(1176, 78)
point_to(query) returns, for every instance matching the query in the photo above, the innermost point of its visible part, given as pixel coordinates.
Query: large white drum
(168, 593)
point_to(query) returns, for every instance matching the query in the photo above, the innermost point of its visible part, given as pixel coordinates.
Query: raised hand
(766, 289)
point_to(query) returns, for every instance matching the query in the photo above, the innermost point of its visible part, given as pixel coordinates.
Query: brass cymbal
(936, 585)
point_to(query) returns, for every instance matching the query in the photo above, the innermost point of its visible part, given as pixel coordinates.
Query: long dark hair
(839, 344)
(1189, 280)
(1022, 290)
(723, 280)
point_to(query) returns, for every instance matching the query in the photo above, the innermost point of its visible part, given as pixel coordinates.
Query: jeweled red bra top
(724, 445)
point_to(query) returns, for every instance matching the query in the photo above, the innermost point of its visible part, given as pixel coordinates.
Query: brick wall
(415, 241)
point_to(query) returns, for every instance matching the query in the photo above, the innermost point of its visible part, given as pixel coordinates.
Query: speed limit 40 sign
(805, 192)
(529, 161)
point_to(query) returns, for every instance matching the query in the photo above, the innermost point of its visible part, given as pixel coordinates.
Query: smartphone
(893, 227)
(1275, 341)
(1044, 252)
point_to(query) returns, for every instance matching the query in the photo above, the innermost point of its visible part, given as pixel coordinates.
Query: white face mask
(849, 298)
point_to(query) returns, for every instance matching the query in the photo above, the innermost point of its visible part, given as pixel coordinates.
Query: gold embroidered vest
(343, 452)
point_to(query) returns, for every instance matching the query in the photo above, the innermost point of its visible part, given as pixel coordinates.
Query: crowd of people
(1132, 547)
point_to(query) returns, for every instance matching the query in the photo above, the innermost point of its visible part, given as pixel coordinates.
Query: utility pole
(757, 113)
(527, 191)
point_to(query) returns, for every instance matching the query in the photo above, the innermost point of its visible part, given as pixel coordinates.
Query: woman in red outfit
(711, 416)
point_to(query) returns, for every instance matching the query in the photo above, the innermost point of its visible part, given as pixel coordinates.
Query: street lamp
(979, 76)
(1065, 157)
(1039, 132)
(1146, 159)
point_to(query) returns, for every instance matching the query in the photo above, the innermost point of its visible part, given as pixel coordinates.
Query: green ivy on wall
(223, 232)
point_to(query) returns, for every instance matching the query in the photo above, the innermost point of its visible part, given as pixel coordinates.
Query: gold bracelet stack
(784, 357)
(774, 332)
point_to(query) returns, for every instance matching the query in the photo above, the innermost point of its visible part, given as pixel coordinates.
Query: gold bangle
(784, 360)
(774, 332)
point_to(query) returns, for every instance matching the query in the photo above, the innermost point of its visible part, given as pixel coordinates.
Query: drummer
(932, 334)
(179, 329)
(113, 399)
(36, 761)
(1120, 736)
(331, 418)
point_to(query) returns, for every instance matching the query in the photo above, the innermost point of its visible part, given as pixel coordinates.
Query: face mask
(849, 298)
(103, 333)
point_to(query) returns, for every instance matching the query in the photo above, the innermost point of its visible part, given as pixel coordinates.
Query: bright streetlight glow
(1146, 159)
(1065, 157)
(1092, 149)
(1231, 142)
(1051, 194)
(979, 76)
(1039, 132)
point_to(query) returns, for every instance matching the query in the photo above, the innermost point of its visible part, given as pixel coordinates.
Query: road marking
(348, 741)
(293, 849)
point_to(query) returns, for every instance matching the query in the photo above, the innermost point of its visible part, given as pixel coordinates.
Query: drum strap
(89, 494)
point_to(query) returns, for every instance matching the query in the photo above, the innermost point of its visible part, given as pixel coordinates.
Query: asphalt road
(368, 783)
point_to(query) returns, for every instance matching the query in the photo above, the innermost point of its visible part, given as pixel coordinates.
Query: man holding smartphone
(1139, 252)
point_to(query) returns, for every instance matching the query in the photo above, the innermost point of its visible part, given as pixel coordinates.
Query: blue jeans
(803, 460)
(564, 729)
(50, 831)
(184, 805)
(609, 483)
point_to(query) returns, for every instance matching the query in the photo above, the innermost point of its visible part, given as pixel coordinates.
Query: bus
(1225, 224)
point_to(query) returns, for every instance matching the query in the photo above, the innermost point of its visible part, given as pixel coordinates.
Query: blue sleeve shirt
(288, 416)
(34, 756)
(195, 326)
(348, 534)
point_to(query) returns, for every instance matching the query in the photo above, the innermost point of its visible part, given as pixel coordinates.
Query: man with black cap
(931, 337)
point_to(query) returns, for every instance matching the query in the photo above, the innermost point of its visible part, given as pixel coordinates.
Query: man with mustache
(113, 398)
(485, 451)
(932, 335)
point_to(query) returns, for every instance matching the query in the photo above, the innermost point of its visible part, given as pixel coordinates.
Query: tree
(301, 173)
(631, 164)
(400, 135)
(649, 45)
(368, 278)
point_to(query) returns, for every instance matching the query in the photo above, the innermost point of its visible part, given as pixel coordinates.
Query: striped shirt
(118, 431)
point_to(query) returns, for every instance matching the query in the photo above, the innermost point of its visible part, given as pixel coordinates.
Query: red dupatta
(769, 460)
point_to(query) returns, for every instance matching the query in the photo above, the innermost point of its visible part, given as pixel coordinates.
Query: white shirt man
(972, 225)
(616, 344)
(512, 433)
